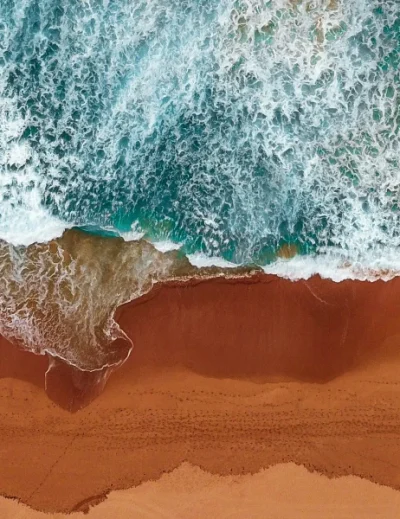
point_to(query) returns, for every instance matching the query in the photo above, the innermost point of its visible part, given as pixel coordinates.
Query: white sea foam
(201, 260)
(166, 245)
(32, 227)
(18, 154)
(134, 234)
(23, 217)
(131, 235)
(326, 266)
(336, 268)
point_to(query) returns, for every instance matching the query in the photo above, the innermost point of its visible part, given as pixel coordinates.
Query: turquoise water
(232, 127)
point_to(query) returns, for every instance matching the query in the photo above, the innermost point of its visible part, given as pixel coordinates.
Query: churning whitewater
(230, 127)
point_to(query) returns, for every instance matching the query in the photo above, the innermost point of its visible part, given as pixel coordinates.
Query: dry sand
(285, 491)
(231, 378)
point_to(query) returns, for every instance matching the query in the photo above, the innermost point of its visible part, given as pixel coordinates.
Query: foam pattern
(230, 127)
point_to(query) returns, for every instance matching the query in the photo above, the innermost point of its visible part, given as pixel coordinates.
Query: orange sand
(284, 491)
(232, 378)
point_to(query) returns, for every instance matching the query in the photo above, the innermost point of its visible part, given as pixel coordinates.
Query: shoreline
(309, 330)
(65, 308)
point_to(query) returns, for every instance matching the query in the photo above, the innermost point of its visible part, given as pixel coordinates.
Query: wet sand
(229, 377)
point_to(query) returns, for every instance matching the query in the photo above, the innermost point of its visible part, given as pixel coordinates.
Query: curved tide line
(60, 299)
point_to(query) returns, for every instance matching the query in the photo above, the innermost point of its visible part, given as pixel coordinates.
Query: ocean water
(231, 130)
(230, 127)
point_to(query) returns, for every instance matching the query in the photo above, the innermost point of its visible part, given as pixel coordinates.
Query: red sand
(263, 327)
(256, 328)
(223, 375)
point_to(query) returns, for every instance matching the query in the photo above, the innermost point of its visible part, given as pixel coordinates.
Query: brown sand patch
(231, 377)
(263, 327)
(146, 424)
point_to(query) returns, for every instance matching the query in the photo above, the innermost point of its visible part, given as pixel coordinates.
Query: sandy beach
(199, 259)
(226, 379)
